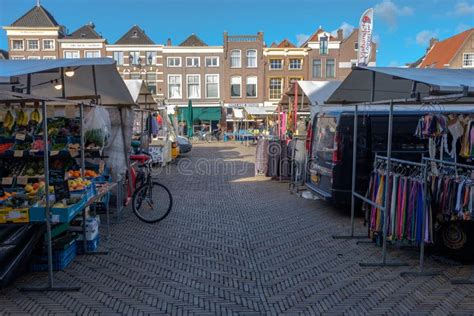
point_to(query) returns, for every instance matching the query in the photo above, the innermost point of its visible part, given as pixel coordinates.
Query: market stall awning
(201, 113)
(91, 77)
(400, 83)
(139, 91)
(260, 110)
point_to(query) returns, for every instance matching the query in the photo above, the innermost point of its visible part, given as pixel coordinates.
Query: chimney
(168, 42)
(340, 34)
(433, 41)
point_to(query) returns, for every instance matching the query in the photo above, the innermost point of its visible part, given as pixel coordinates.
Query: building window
(192, 61)
(49, 57)
(330, 70)
(235, 59)
(71, 54)
(356, 46)
(34, 57)
(174, 86)
(17, 45)
(118, 57)
(251, 87)
(150, 58)
(135, 75)
(292, 80)
(174, 61)
(134, 58)
(276, 64)
(251, 58)
(194, 86)
(33, 44)
(212, 86)
(17, 57)
(151, 82)
(48, 44)
(317, 68)
(212, 61)
(295, 64)
(323, 45)
(276, 88)
(235, 87)
(92, 54)
(468, 60)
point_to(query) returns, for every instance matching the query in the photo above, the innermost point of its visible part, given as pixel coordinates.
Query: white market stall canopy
(260, 110)
(314, 94)
(401, 83)
(139, 91)
(77, 79)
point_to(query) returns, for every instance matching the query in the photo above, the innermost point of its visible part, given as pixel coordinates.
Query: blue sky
(402, 28)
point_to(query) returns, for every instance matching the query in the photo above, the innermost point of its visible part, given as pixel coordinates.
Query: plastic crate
(17, 215)
(59, 215)
(61, 258)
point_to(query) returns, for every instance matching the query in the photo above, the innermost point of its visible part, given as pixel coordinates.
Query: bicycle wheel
(151, 203)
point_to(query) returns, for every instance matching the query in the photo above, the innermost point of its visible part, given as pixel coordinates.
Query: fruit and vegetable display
(11, 167)
(5, 147)
(33, 169)
(78, 184)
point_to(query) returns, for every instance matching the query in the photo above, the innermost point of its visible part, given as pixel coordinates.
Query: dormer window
(135, 34)
(323, 45)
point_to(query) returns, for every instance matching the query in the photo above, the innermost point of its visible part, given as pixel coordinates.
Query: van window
(403, 130)
(323, 139)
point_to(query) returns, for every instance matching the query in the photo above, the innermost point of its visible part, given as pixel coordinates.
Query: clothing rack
(457, 167)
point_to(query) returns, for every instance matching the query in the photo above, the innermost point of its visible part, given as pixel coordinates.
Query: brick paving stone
(241, 245)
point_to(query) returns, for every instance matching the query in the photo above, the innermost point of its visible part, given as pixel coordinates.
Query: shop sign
(241, 105)
(81, 45)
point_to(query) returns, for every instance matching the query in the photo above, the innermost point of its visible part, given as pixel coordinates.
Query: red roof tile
(286, 44)
(443, 52)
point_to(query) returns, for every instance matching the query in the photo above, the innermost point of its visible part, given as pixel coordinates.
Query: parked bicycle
(151, 200)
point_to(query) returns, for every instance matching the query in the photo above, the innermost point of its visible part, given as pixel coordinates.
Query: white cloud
(463, 8)
(388, 12)
(346, 29)
(376, 39)
(423, 37)
(394, 63)
(301, 38)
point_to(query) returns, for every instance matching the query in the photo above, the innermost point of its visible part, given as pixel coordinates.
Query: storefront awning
(259, 110)
(201, 114)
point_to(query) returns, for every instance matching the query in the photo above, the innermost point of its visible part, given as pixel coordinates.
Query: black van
(330, 155)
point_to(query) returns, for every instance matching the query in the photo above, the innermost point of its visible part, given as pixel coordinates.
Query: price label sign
(20, 136)
(22, 180)
(54, 153)
(18, 153)
(7, 181)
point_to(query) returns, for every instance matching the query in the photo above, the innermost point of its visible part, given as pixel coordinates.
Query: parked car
(184, 144)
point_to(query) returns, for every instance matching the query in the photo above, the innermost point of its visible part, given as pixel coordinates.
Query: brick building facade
(243, 72)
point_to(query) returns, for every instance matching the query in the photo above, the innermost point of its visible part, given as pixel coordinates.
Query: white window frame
(256, 57)
(301, 64)
(218, 86)
(49, 57)
(34, 57)
(199, 86)
(22, 45)
(121, 62)
(180, 85)
(133, 54)
(240, 92)
(92, 51)
(212, 57)
(240, 58)
(68, 51)
(256, 87)
(282, 64)
(193, 58)
(28, 44)
(326, 67)
(270, 89)
(464, 55)
(174, 66)
(50, 40)
(320, 68)
(17, 57)
(153, 61)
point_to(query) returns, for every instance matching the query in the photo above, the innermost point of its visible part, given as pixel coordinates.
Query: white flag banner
(366, 25)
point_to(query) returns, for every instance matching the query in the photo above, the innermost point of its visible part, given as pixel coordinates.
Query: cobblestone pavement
(236, 244)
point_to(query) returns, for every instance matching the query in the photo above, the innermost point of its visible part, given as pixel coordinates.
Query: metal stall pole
(384, 262)
(426, 208)
(83, 170)
(50, 286)
(354, 178)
